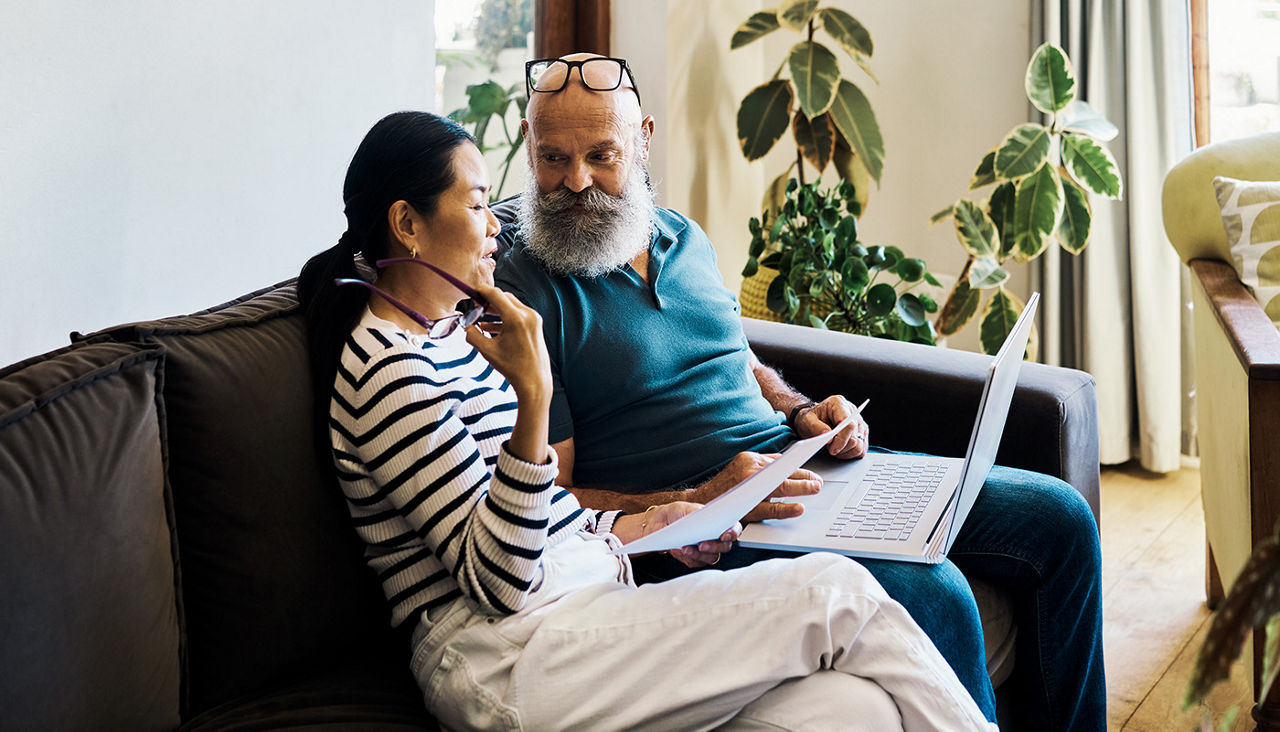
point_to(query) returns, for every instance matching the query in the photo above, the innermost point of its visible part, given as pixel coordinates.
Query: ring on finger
(717, 560)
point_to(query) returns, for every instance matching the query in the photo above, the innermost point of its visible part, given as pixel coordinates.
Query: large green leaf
(795, 14)
(1081, 118)
(986, 172)
(1000, 208)
(1024, 150)
(986, 272)
(815, 72)
(1051, 84)
(852, 169)
(487, 98)
(816, 139)
(853, 117)
(974, 229)
(1073, 229)
(848, 32)
(1036, 211)
(1092, 165)
(960, 307)
(759, 24)
(997, 320)
(763, 117)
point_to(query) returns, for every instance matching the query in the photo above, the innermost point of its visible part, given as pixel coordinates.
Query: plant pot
(751, 296)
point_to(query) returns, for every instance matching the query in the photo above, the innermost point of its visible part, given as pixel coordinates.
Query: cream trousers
(792, 644)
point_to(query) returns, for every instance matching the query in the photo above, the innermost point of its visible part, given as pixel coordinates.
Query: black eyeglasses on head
(550, 75)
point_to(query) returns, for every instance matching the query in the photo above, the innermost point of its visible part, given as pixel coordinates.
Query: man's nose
(578, 179)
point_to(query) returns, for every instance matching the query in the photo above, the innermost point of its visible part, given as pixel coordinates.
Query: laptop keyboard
(892, 505)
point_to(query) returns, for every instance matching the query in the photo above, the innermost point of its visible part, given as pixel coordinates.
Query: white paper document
(717, 516)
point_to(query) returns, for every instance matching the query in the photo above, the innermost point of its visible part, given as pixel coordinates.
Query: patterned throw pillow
(1251, 217)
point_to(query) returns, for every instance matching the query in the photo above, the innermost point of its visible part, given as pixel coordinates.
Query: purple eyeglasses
(442, 327)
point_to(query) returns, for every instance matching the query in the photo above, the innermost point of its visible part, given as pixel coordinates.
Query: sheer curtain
(1121, 309)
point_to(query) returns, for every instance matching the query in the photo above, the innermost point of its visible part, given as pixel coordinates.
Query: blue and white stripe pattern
(419, 431)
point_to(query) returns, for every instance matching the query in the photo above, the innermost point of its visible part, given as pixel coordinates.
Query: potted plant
(828, 279)
(1041, 174)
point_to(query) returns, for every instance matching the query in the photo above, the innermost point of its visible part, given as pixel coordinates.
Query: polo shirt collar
(667, 231)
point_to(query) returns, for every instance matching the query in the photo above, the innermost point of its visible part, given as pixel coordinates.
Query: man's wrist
(797, 410)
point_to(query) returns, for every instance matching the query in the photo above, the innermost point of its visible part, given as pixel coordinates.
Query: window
(1244, 67)
(483, 44)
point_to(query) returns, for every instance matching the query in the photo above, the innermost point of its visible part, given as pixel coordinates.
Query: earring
(413, 252)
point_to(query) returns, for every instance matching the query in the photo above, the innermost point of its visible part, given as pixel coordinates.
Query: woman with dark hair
(521, 616)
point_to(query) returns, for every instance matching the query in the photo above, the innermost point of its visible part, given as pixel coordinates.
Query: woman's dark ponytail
(406, 156)
(331, 311)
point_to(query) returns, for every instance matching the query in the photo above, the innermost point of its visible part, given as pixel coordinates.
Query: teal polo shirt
(652, 380)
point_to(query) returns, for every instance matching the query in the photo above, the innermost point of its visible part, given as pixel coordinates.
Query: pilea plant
(828, 279)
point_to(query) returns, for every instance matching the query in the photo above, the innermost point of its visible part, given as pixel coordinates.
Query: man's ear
(524, 129)
(647, 126)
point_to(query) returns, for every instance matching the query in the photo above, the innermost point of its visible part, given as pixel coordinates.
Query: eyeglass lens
(598, 74)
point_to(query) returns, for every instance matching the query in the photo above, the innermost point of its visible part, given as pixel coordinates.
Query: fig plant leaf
(758, 25)
(815, 73)
(1050, 82)
(853, 117)
(763, 117)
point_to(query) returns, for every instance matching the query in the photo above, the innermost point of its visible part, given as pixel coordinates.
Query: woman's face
(461, 231)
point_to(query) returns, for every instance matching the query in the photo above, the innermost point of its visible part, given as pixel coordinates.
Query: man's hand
(801, 483)
(851, 442)
(702, 554)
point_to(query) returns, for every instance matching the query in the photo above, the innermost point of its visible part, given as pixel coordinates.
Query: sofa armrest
(925, 399)
(1252, 334)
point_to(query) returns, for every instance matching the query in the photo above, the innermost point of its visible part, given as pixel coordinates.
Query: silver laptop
(903, 507)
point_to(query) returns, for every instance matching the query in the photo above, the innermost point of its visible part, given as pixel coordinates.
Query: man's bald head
(622, 103)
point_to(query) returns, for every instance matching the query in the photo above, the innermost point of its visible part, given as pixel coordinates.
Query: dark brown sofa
(172, 556)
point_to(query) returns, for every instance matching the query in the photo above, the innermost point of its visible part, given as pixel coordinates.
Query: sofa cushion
(86, 555)
(274, 582)
(364, 696)
(1251, 220)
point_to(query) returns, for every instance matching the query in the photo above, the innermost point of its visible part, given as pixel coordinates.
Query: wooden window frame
(562, 27)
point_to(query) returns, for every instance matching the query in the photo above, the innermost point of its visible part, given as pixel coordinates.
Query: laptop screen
(993, 409)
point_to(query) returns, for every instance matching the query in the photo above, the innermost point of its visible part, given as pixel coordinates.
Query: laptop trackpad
(824, 499)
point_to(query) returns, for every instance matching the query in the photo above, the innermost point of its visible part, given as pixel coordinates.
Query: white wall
(950, 88)
(169, 157)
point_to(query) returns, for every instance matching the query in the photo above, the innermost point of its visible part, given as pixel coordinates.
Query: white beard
(605, 234)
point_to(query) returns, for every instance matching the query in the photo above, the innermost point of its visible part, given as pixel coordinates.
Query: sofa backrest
(91, 636)
(273, 578)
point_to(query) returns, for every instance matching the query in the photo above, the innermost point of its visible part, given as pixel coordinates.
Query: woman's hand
(704, 553)
(515, 346)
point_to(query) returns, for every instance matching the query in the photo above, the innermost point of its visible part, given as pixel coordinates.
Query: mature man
(658, 397)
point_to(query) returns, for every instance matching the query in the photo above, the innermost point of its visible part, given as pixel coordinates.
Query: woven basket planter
(753, 292)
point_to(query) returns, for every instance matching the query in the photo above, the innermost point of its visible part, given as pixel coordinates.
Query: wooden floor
(1154, 616)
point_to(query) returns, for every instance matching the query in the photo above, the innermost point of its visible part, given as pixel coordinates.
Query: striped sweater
(419, 431)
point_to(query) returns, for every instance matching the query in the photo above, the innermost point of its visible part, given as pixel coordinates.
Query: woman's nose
(495, 226)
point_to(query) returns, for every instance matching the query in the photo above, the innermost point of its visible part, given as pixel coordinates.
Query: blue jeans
(1034, 537)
